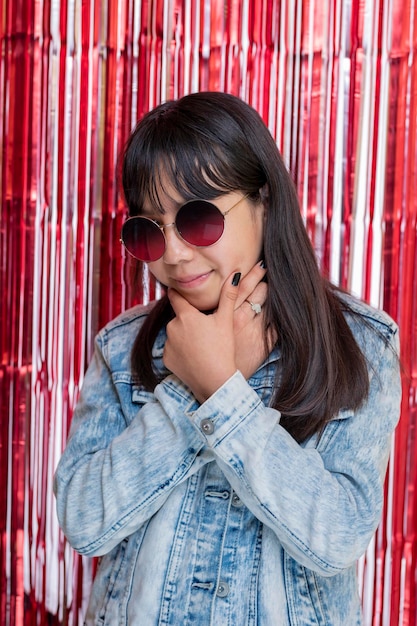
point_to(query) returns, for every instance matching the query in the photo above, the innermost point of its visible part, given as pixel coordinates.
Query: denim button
(236, 501)
(207, 426)
(222, 589)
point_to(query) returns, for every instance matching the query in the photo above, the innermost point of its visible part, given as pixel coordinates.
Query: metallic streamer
(337, 85)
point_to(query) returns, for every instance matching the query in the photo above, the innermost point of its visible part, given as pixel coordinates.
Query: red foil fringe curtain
(335, 81)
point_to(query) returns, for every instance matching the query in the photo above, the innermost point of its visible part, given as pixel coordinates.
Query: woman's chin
(205, 305)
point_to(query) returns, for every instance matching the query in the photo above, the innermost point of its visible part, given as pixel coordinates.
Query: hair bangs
(172, 158)
(191, 173)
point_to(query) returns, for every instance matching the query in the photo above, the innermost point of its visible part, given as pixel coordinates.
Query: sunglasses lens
(200, 223)
(143, 239)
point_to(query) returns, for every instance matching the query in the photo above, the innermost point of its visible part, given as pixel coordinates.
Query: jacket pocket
(106, 578)
(132, 397)
(303, 595)
(315, 600)
(141, 396)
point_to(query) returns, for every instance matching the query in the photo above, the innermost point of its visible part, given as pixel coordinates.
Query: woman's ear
(264, 198)
(264, 194)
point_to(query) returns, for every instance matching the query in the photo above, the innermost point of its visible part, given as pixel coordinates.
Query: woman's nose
(176, 249)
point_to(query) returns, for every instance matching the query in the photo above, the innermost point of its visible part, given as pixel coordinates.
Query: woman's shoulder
(116, 339)
(120, 332)
(372, 327)
(132, 318)
(374, 316)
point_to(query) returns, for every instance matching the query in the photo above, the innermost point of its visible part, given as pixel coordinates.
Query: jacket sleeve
(117, 470)
(323, 500)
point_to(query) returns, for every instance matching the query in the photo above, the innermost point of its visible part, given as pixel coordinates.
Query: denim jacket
(212, 514)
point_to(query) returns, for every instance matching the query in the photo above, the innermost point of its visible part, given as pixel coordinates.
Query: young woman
(227, 456)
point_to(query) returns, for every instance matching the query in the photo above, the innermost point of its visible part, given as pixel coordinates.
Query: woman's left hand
(251, 344)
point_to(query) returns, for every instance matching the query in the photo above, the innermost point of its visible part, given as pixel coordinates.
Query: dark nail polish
(236, 279)
(263, 264)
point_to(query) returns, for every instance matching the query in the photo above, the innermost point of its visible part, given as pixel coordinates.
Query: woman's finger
(249, 283)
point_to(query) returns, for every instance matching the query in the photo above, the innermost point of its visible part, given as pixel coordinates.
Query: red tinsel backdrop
(335, 81)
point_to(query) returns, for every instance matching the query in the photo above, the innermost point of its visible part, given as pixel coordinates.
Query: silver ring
(256, 308)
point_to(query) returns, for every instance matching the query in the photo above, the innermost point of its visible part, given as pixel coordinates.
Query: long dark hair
(207, 144)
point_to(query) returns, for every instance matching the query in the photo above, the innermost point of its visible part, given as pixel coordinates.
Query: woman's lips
(189, 282)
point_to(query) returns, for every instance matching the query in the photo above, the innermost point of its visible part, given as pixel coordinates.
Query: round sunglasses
(198, 222)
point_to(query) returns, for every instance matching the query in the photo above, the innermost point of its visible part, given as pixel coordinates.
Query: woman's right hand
(205, 350)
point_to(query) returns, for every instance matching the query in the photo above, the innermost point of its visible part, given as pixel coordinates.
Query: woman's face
(198, 274)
